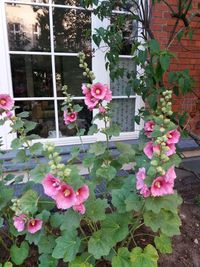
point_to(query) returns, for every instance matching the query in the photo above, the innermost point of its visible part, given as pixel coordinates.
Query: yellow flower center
(3, 102)
(158, 185)
(98, 91)
(33, 222)
(67, 193)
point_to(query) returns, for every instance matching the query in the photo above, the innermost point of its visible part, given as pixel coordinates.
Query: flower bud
(154, 163)
(162, 129)
(67, 172)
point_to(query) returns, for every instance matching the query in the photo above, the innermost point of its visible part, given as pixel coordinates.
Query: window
(41, 39)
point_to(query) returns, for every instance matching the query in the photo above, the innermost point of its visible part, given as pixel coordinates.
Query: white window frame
(101, 76)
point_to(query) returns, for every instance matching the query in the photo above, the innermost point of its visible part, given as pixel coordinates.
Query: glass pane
(72, 30)
(83, 122)
(128, 29)
(124, 114)
(69, 73)
(126, 5)
(118, 86)
(43, 113)
(28, 27)
(31, 1)
(67, 2)
(31, 76)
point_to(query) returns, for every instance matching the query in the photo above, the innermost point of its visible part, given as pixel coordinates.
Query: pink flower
(108, 96)
(173, 137)
(148, 128)
(161, 187)
(102, 110)
(172, 150)
(145, 191)
(85, 89)
(51, 185)
(66, 197)
(6, 102)
(170, 175)
(98, 91)
(19, 222)
(9, 114)
(79, 208)
(140, 185)
(82, 194)
(91, 101)
(34, 225)
(70, 117)
(150, 148)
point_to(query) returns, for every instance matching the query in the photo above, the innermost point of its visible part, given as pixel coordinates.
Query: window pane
(32, 1)
(43, 113)
(31, 76)
(72, 30)
(124, 114)
(28, 27)
(118, 86)
(69, 73)
(67, 2)
(83, 121)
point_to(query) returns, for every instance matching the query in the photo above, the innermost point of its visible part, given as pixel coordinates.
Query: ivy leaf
(67, 246)
(99, 245)
(98, 149)
(122, 259)
(95, 209)
(163, 243)
(47, 261)
(165, 221)
(19, 254)
(144, 258)
(107, 172)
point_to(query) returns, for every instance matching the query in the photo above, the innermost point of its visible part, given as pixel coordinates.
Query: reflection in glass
(83, 121)
(41, 112)
(118, 86)
(124, 114)
(31, 75)
(67, 2)
(69, 73)
(128, 29)
(28, 27)
(72, 30)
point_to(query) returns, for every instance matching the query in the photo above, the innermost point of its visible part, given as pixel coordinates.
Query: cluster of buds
(166, 104)
(83, 65)
(16, 206)
(56, 167)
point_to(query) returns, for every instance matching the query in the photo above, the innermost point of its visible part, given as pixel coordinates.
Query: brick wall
(188, 57)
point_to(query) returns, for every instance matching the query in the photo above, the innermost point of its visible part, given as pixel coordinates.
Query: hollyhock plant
(161, 187)
(79, 208)
(82, 194)
(140, 185)
(6, 102)
(66, 197)
(99, 91)
(51, 185)
(91, 101)
(34, 225)
(150, 148)
(173, 137)
(170, 175)
(70, 117)
(148, 128)
(171, 150)
(19, 222)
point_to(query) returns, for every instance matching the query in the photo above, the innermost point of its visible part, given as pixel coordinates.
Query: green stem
(80, 137)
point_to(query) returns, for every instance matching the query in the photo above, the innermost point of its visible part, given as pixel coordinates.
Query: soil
(186, 247)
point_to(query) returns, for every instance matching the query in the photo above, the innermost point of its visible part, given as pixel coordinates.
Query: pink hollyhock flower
(9, 114)
(102, 110)
(51, 185)
(19, 222)
(34, 225)
(145, 191)
(161, 187)
(91, 101)
(6, 102)
(85, 89)
(148, 128)
(70, 117)
(173, 137)
(150, 148)
(140, 185)
(82, 194)
(170, 175)
(79, 208)
(98, 91)
(66, 197)
(172, 150)
(108, 96)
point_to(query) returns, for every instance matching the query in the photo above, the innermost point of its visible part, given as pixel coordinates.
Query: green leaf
(78, 262)
(95, 209)
(57, 219)
(113, 130)
(134, 202)
(19, 254)
(5, 195)
(75, 151)
(21, 156)
(39, 172)
(169, 202)
(71, 221)
(122, 259)
(144, 258)
(67, 246)
(24, 114)
(165, 221)
(118, 199)
(47, 261)
(16, 143)
(99, 245)
(154, 46)
(107, 172)
(36, 148)
(98, 149)
(93, 129)
(44, 215)
(30, 125)
(34, 239)
(29, 201)
(8, 264)
(1, 222)
(116, 226)
(46, 244)
(165, 61)
(163, 243)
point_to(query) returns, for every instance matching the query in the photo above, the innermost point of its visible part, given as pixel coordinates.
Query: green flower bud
(166, 121)
(81, 65)
(55, 154)
(84, 74)
(164, 109)
(67, 172)
(170, 113)
(162, 129)
(154, 163)
(161, 117)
